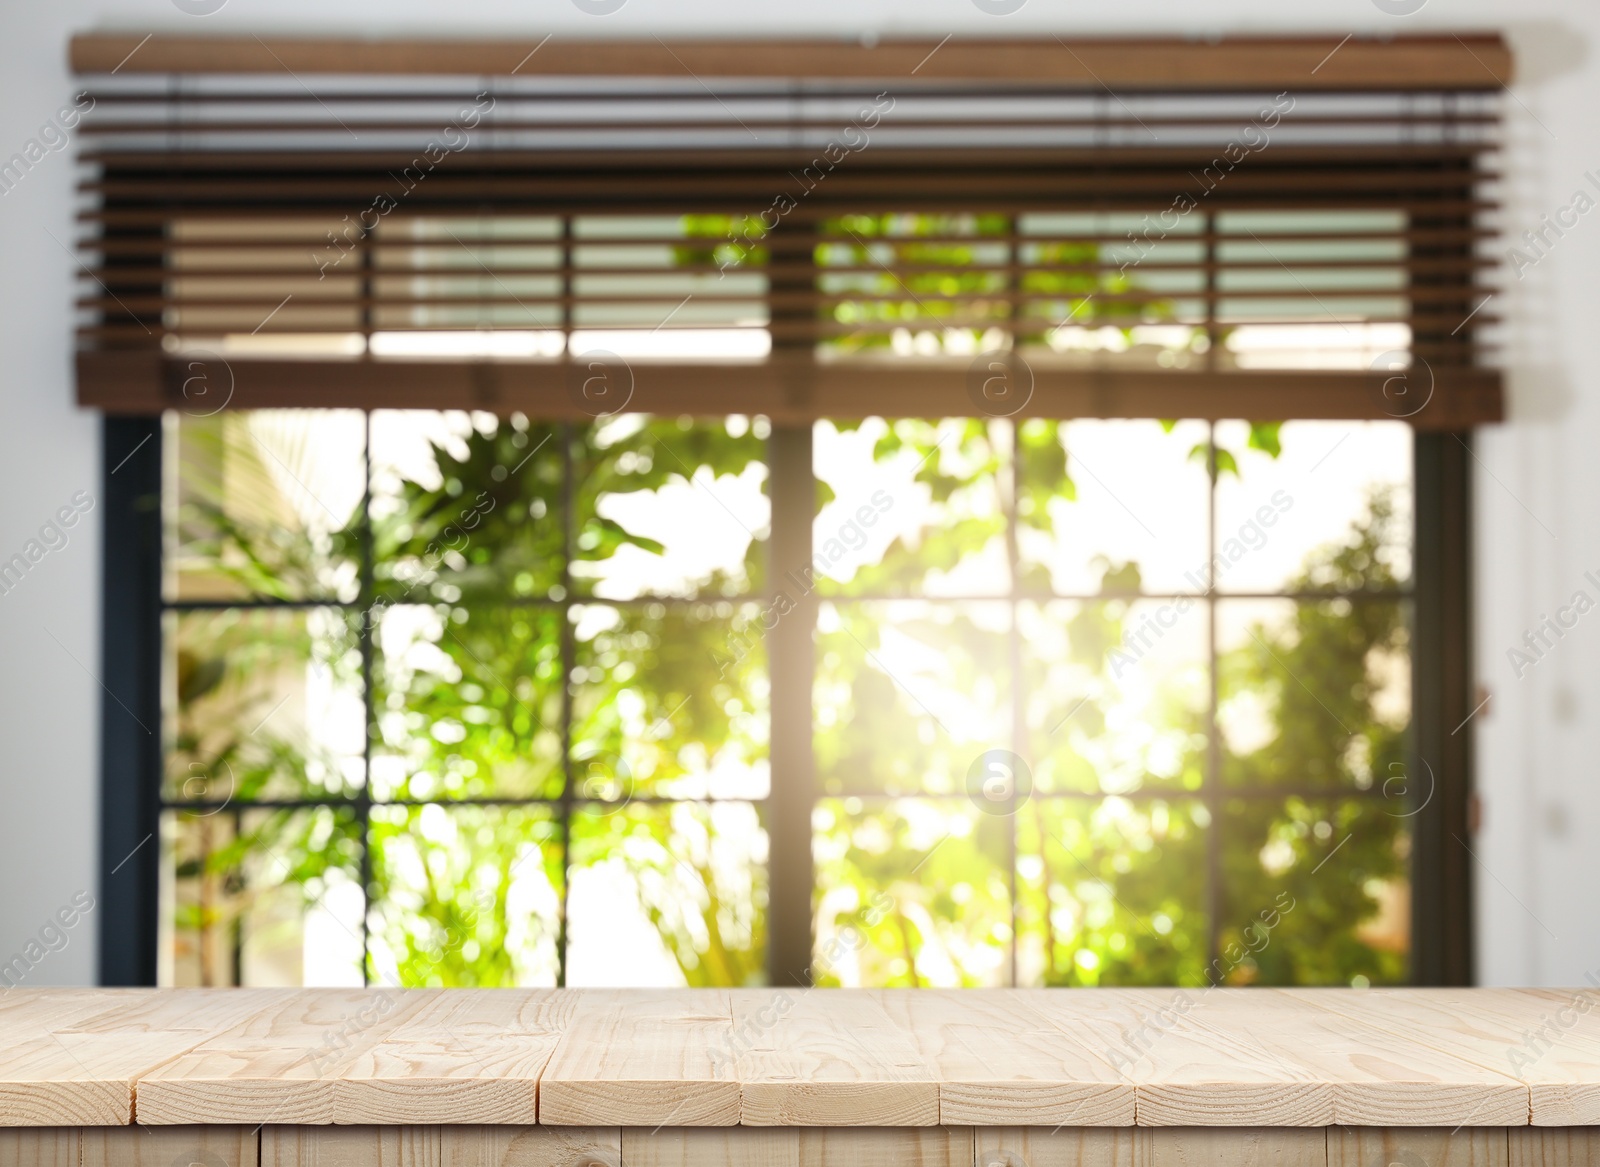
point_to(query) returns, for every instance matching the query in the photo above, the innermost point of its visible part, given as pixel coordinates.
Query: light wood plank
(828, 1058)
(1503, 1029)
(643, 1058)
(847, 1058)
(351, 1146)
(1350, 1146)
(1060, 1147)
(30, 1013)
(172, 1146)
(710, 1147)
(46, 1083)
(1551, 1041)
(464, 1056)
(885, 1147)
(72, 1056)
(1553, 1146)
(1185, 1076)
(281, 1065)
(531, 1146)
(1440, 1071)
(1379, 1077)
(41, 1146)
(1222, 1147)
(999, 1060)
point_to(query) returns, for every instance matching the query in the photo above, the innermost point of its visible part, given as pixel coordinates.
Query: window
(469, 666)
(1085, 693)
(1097, 699)
(1048, 691)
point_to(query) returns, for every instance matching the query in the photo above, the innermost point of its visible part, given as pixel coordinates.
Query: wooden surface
(647, 1057)
(1330, 61)
(534, 1146)
(904, 1059)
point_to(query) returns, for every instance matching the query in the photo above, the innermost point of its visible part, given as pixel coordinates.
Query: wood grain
(1186, 1076)
(530, 1146)
(69, 1065)
(1418, 1147)
(1416, 1022)
(283, 1064)
(644, 1058)
(1548, 1038)
(462, 1056)
(835, 1059)
(197, 1146)
(1553, 1147)
(39, 1146)
(799, 1147)
(868, 1147)
(710, 1147)
(1060, 1147)
(997, 1059)
(819, 1058)
(351, 1146)
(1222, 1147)
(1379, 1077)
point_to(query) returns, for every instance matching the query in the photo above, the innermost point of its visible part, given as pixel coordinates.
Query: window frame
(131, 763)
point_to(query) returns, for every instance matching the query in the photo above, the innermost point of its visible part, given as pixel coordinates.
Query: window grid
(1213, 793)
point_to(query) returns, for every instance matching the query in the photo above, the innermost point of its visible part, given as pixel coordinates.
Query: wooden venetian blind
(1188, 230)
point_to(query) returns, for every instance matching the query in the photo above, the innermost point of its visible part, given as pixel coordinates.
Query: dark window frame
(132, 609)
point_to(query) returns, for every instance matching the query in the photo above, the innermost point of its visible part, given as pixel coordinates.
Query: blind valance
(827, 244)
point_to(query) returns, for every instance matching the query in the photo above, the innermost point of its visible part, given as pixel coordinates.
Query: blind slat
(738, 245)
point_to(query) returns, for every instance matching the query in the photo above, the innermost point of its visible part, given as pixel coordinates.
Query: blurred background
(456, 699)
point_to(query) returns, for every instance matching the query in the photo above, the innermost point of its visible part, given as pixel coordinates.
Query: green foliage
(468, 694)
(488, 530)
(464, 896)
(964, 274)
(477, 662)
(733, 242)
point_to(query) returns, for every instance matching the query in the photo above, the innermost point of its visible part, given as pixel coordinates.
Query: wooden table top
(771, 1057)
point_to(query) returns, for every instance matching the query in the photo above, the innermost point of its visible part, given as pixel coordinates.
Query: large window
(451, 699)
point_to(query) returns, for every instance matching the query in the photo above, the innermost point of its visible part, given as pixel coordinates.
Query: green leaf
(1264, 436)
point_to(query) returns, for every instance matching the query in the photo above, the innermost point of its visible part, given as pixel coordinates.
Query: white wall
(1538, 742)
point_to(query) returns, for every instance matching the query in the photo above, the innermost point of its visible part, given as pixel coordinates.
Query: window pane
(669, 701)
(481, 277)
(1140, 303)
(262, 503)
(1111, 892)
(1313, 694)
(669, 286)
(1316, 893)
(911, 508)
(465, 506)
(913, 891)
(1113, 506)
(670, 508)
(468, 702)
(944, 297)
(262, 704)
(668, 895)
(264, 898)
(1330, 511)
(1335, 300)
(465, 896)
(1116, 694)
(909, 694)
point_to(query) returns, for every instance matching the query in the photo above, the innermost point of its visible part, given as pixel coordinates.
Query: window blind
(920, 242)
